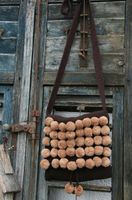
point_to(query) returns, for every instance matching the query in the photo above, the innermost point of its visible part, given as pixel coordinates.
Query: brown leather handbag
(77, 148)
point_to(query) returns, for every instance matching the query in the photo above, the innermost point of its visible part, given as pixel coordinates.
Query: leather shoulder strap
(64, 60)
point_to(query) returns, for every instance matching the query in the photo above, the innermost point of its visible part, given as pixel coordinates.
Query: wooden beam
(117, 144)
(83, 78)
(128, 106)
(6, 78)
(25, 91)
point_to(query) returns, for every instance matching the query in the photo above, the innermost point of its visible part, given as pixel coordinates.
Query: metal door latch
(22, 127)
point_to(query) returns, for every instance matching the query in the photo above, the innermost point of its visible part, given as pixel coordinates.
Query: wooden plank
(9, 2)
(9, 13)
(128, 107)
(10, 29)
(42, 190)
(9, 196)
(107, 44)
(58, 1)
(25, 92)
(83, 78)
(7, 62)
(6, 78)
(1, 194)
(8, 45)
(5, 160)
(108, 9)
(104, 26)
(110, 63)
(9, 184)
(117, 144)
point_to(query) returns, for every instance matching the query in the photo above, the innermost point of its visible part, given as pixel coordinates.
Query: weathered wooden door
(33, 42)
(79, 86)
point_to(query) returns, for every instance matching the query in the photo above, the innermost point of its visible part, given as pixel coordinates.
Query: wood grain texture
(128, 107)
(9, 2)
(8, 46)
(9, 13)
(10, 29)
(107, 9)
(117, 144)
(25, 91)
(77, 78)
(5, 160)
(104, 26)
(6, 78)
(7, 62)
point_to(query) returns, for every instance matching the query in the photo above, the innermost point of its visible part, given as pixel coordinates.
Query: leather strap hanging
(64, 60)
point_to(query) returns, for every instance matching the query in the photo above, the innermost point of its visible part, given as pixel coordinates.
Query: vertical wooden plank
(42, 190)
(128, 106)
(117, 144)
(25, 92)
(18, 73)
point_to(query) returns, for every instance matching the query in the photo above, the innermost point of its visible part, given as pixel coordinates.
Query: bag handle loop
(64, 60)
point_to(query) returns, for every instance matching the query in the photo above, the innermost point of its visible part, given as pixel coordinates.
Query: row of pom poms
(71, 189)
(79, 141)
(79, 124)
(73, 165)
(79, 152)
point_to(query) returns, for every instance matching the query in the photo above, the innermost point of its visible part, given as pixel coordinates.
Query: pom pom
(97, 161)
(94, 121)
(70, 135)
(88, 132)
(80, 152)
(80, 132)
(61, 153)
(62, 126)
(71, 165)
(89, 141)
(54, 143)
(46, 141)
(69, 188)
(79, 141)
(70, 143)
(45, 153)
(44, 164)
(79, 124)
(48, 121)
(98, 150)
(89, 151)
(105, 162)
(89, 163)
(98, 140)
(86, 122)
(70, 151)
(61, 135)
(55, 163)
(70, 126)
(103, 120)
(53, 135)
(96, 130)
(107, 152)
(63, 162)
(62, 144)
(105, 130)
(54, 126)
(106, 140)
(54, 152)
(78, 190)
(80, 162)
(47, 130)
